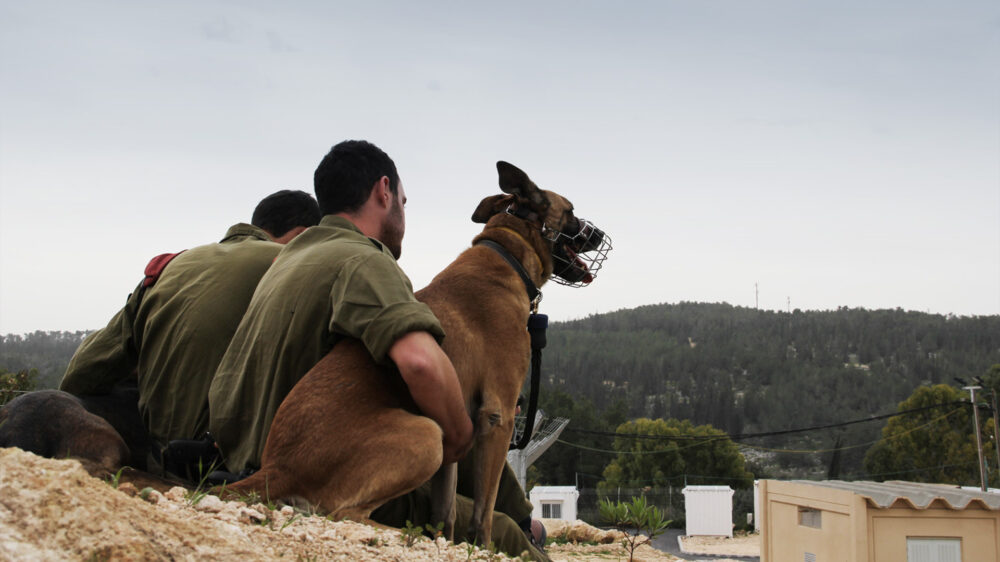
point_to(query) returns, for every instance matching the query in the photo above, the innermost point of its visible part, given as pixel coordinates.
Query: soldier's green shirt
(329, 283)
(174, 336)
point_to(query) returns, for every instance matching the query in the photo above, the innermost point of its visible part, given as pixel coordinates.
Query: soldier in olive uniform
(176, 325)
(340, 279)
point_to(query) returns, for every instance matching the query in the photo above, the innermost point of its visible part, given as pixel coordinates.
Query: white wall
(564, 496)
(709, 510)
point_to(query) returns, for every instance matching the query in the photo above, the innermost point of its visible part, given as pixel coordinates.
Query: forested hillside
(744, 370)
(739, 369)
(48, 352)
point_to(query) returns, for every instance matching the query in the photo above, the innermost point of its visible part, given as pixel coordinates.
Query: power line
(709, 439)
(740, 436)
(816, 451)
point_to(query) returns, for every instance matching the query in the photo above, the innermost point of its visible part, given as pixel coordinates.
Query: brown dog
(55, 424)
(348, 437)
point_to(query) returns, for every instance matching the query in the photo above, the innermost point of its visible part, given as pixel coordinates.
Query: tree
(14, 384)
(710, 458)
(933, 445)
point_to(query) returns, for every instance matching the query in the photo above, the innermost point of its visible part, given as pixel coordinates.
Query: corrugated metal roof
(914, 494)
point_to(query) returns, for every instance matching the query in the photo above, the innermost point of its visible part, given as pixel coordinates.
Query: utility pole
(979, 439)
(756, 296)
(996, 431)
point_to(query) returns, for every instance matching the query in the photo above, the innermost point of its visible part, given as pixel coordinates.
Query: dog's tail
(261, 486)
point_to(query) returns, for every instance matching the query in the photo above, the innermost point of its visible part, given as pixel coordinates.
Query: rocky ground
(54, 510)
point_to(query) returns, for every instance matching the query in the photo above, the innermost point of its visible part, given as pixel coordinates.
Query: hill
(745, 370)
(739, 369)
(48, 352)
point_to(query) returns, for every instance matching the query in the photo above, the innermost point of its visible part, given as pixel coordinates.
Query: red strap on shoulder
(156, 266)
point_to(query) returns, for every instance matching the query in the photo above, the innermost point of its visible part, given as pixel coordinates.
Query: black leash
(537, 323)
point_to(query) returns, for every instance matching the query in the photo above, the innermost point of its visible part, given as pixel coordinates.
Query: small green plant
(492, 552)
(200, 491)
(101, 555)
(115, 478)
(435, 530)
(250, 498)
(289, 521)
(640, 522)
(411, 533)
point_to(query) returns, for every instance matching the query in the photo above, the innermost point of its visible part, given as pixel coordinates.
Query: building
(877, 522)
(708, 510)
(554, 502)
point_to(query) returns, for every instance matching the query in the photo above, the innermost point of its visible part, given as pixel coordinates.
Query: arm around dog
(433, 383)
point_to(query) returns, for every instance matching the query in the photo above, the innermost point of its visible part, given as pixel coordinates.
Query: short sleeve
(372, 300)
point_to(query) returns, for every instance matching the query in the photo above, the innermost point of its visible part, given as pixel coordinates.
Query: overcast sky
(834, 153)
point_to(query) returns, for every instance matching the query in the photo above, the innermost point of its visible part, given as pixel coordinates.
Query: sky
(780, 154)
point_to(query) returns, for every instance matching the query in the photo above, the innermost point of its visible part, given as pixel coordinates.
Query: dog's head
(577, 247)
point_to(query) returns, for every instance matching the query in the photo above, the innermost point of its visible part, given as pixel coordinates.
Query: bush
(640, 522)
(13, 385)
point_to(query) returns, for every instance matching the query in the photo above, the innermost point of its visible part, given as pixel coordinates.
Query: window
(552, 510)
(809, 517)
(921, 549)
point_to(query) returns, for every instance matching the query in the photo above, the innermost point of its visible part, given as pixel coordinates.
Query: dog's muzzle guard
(583, 252)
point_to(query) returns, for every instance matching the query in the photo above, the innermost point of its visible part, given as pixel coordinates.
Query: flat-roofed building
(806, 521)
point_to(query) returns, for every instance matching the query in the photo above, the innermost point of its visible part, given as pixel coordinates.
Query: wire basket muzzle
(577, 258)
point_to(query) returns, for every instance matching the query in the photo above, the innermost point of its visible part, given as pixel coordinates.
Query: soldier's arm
(106, 356)
(434, 385)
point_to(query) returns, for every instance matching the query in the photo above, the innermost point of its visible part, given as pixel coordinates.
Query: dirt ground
(54, 510)
(739, 545)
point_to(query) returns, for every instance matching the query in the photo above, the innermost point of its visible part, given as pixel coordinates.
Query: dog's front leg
(490, 454)
(443, 498)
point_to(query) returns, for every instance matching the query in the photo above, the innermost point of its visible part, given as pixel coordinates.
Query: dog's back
(54, 424)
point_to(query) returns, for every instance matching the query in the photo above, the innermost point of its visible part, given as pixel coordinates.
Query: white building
(554, 502)
(708, 510)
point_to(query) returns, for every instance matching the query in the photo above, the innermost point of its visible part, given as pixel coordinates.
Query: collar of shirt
(337, 221)
(244, 229)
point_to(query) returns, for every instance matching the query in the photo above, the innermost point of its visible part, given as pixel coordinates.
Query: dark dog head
(577, 247)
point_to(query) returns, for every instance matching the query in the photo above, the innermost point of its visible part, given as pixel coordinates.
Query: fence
(670, 500)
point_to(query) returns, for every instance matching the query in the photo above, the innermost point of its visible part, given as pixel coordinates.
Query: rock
(210, 504)
(250, 515)
(128, 489)
(176, 494)
(579, 531)
(152, 496)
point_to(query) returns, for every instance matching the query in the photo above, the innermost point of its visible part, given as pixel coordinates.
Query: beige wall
(853, 531)
(784, 539)
(890, 528)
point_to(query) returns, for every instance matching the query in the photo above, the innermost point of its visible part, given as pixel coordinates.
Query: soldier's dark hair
(344, 178)
(284, 210)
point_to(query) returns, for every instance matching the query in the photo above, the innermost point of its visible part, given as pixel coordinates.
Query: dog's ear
(517, 183)
(490, 206)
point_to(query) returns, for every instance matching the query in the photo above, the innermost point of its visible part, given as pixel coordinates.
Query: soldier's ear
(490, 206)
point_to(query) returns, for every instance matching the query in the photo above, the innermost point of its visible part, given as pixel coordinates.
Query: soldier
(176, 325)
(341, 280)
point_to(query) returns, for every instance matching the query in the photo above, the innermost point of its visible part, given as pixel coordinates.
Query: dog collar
(534, 295)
